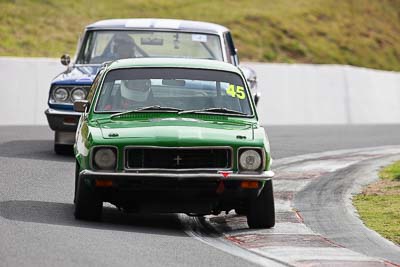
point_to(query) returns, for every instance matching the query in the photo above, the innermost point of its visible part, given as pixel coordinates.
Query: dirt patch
(382, 187)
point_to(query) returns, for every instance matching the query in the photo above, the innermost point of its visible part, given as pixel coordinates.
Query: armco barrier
(24, 89)
(291, 93)
(326, 94)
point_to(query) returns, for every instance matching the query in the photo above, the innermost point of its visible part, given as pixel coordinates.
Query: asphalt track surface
(325, 203)
(37, 227)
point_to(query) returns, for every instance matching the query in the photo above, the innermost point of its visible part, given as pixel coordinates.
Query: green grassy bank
(357, 32)
(379, 203)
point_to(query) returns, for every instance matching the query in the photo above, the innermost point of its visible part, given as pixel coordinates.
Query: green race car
(172, 135)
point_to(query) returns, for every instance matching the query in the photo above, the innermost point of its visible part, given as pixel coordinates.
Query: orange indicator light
(249, 184)
(70, 120)
(104, 183)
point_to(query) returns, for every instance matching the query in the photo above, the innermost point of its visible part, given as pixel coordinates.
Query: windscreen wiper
(148, 108)
(158, 107)
(214, 110)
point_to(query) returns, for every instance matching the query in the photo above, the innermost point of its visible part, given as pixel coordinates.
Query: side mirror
(256, 98)
(80, 105)
(251, 78)
(65, 59)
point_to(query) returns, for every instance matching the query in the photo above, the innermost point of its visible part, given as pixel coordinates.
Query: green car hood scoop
(175, 128)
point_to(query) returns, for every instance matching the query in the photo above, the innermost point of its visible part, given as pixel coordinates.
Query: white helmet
(136, 90)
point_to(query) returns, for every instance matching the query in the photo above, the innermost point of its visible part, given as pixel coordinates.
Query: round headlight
(250, 160)
(105, 159)
(78, 94)
(60, 94)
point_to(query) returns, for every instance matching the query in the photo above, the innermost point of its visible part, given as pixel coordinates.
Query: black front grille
(178, 158)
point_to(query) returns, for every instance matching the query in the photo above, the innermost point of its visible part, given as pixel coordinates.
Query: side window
(94, 86)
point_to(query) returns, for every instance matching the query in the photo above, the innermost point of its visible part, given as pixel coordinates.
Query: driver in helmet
(136, 94)
(123, 47)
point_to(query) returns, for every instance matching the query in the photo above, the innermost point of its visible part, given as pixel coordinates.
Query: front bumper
(200, 193)
(63, 121)
(127, 176)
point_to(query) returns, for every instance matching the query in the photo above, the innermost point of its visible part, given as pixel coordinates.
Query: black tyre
(88, 204)
(261, 212)
(241, 211)
(63, 149)
(77, 169)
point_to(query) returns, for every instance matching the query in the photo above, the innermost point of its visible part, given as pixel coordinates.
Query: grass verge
(379, 203)
(356, 32)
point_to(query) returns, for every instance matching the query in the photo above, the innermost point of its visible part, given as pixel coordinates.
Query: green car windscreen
(179, 89)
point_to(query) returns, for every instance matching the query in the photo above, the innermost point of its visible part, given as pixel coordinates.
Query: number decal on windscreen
(236, 92)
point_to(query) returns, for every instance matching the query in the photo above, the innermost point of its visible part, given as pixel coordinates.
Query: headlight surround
(250, 160)
(60, 94)
(78, 94)
(67, 94)
(104, 158)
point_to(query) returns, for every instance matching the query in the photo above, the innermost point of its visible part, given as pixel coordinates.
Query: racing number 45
(239, 92)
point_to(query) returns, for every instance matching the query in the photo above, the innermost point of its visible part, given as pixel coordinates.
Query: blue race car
(110, 40)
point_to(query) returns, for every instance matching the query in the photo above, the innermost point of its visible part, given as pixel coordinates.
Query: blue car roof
(160, 24)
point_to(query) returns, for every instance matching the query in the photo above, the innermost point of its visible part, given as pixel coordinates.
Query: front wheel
(88, 204)
(241, 210)
(77, 169)
(261, 211)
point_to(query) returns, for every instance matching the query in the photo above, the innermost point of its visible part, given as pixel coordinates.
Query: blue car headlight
(65, 94)
(78, 94)
(61, 94)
